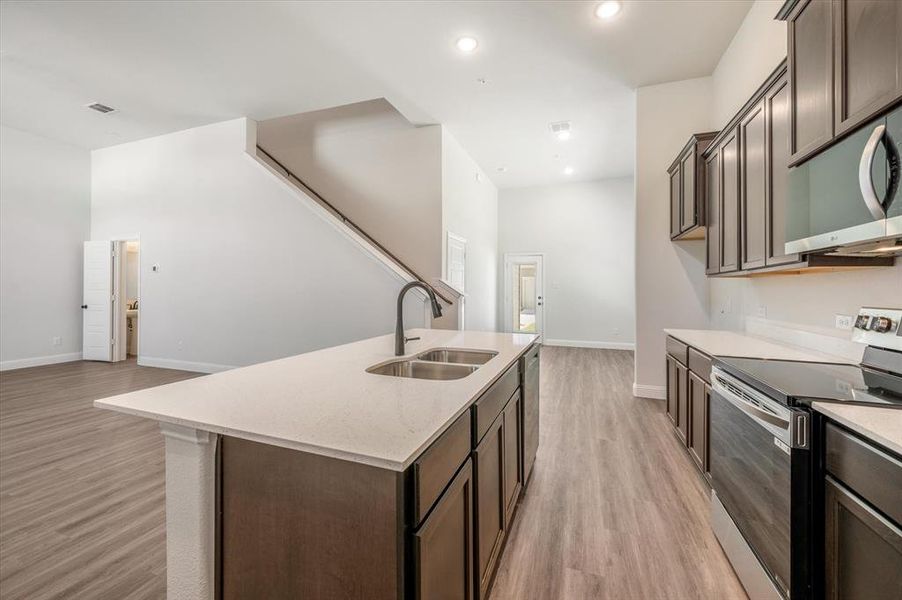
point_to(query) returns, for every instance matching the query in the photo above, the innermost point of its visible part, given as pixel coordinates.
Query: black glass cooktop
(794, 382)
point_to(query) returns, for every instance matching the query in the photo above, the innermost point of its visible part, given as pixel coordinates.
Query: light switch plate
(843, 321)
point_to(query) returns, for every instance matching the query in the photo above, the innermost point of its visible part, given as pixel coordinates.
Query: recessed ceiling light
(501, 169)
(466, 44)
(608, 9)
(561, 130)
(568, 170)
(482, 80)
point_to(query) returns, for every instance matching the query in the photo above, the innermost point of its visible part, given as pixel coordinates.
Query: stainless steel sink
(422, 370)
(454, 355)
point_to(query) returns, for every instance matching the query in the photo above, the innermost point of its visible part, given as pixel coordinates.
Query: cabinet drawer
(677, 349)
(490, 404)
(532, 353)
(872, 473)
(437, 465)
(700, 364)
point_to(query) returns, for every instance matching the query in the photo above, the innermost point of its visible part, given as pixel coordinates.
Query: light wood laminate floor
(82, 504)
(614, 509)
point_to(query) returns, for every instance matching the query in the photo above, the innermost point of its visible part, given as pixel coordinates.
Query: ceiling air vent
(101, 108)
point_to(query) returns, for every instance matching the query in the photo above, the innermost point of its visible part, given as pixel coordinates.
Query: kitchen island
(311, 477)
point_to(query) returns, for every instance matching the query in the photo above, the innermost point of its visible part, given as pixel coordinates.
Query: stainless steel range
(764, 449)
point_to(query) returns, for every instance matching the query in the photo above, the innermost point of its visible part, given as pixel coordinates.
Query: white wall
(44, 218)
(585, 232)
(248, 270)
(807, 300)
(470, 210)
(671, 288)
(369, 161)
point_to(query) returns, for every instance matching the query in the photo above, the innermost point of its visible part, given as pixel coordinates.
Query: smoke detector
(101, 108)
(561, 130)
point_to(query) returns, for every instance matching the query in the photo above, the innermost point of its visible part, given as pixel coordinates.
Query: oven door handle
(749, 408)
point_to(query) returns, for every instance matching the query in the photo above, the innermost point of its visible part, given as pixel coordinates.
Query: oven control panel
(881, 327)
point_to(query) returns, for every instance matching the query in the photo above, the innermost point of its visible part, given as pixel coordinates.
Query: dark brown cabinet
(753, 186)
(443, 545)
(845, 67)
(810, 46)
(729, 202)
(712, 213)
(776, 105)
(530, 402)
(675, 195)
(490, 503)
(687, 189)
(513, 471)
(697, 439)
(688, 397)
(867, 59)
(862, 510)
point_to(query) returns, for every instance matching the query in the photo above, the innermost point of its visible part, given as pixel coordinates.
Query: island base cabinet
(300, 525)
(863, 549)
(513, 471)
(490, 503)
(443, 545)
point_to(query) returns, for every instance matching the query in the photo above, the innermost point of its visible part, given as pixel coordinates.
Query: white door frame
(510, 259)
(461, 304)
(120, 325)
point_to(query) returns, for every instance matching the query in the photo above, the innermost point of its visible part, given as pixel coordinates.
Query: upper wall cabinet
(687, 189)
(845, 67)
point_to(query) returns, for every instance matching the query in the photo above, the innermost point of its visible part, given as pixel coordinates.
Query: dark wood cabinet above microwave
(845, 68)
(687, 189)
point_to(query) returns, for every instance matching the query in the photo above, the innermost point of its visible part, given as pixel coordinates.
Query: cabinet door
(862, 549)
(675, 204)
(810, 49)
(868, 59)
(673, 386)
(512, 471)
(490, 503)
(530, 414)
(729, 203)
(682, 401)
(776, 103)
(687, 182)
(443, 545)
(753, 185)
(698, 421)
(712, 214)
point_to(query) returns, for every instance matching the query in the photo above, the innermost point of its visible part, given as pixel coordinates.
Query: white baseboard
(37, 361)
(590, 344)
(182, 365)
(657, 392)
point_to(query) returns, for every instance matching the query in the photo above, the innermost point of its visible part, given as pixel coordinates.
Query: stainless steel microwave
(846, 200)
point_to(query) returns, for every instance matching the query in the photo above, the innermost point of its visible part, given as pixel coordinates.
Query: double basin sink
(437, 364)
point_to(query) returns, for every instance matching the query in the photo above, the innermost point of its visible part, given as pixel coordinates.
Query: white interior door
(97, 304)
(524, 295)
(456, 257)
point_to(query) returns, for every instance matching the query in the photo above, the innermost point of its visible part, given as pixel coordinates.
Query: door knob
(84, 306)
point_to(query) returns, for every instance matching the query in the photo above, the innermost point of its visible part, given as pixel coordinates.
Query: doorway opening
(523, 293)
(111, 300)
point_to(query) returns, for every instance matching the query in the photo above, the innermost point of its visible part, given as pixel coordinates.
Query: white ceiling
(173, 65)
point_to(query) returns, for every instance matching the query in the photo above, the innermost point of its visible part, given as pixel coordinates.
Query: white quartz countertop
(324, 402)
(882, 425)
(732, 343)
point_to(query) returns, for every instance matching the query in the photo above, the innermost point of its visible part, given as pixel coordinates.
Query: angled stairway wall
(249, 269)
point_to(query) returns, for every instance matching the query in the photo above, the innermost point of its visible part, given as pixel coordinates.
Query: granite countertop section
(324, 402)
(732, 343)
(882, 425)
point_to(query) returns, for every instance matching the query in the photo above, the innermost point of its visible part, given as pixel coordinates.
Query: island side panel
(298, 525)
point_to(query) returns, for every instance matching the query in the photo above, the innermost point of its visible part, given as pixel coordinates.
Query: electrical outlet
(762, 312)
(727, 306)
(616, 331)
(56, 341)
(843, 321)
